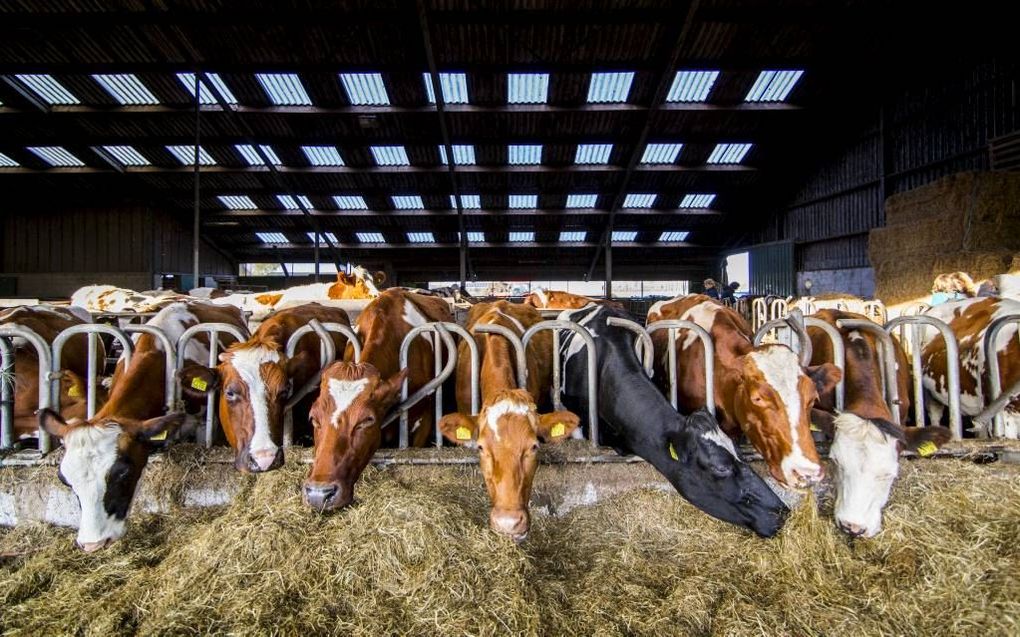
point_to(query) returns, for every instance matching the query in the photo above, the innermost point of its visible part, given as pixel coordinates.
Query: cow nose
(323, 495)
(512, 523)
(852, 529)
(266, 459)
(806, 476)
(91, 547)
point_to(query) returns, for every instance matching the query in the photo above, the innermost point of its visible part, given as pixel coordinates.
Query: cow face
(865, 462)
(102, 464)
(255, 385)
(507, 434)
(360, 284)
(717, 481)
(773, 406)
(353, 401)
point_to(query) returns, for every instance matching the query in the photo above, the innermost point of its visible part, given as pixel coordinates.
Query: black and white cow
(692, 452)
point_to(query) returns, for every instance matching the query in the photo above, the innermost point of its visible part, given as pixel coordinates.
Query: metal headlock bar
(327, 354)
(170, 361)
(998, 399)
(838, 355)
(515, 342)
(759, 313)
(92, 331)
(214, 330)
(674, 326)
(42, 350)
(952, 368)
(441, 337)
(642, 344)
(593, 381)
(887, 361)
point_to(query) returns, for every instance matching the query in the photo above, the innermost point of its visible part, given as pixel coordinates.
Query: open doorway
(738, 269)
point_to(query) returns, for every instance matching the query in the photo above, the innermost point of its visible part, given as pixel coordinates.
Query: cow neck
(138, 393)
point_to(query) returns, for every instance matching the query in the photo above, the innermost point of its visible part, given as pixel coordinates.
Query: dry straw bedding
(414, 557)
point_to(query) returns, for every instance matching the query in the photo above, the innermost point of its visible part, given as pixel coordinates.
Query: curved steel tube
(952, 366)
(352, 337)
(406, 402)
(775, 325)
(42, 350)
(327, 354)
(759, 313)
(170, 362)
(92, 331)
(518, 347)
(997, 399)
(476, 366)
(838, 355)
(213, 330)
(778, 309)
(642, 345)
(706, 341)
(887, 357)
(593, 372)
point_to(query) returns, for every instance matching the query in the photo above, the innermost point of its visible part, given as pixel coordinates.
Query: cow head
(865, 462)
(348, 414)
(507, 433)
(717, 481)
(360, 284)
(773, 405)
(103, 460)
(255, 383)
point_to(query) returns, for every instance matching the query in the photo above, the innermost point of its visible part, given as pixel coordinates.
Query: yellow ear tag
(927, 448)
(73, 391)
(199, 384)
(160, 436)
(558, 430)
(672, 452)
(463, 433)
(814, 427)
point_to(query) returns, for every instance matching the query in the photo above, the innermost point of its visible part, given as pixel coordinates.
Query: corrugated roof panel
(421, 237)
(728, 153)
(323, 155)
(237, 202)
(523, 202)
(582, 201)
(390, 155)
(527, 88)
(773, 86)
(205, 95)
(350, 202)
(55, 156)
(270, 238)
(567, 236)
(467, 202)
(289, 204)
(328, 235)
(284, 89)
(7, 162)
(624, 235)
(252, 157)
(126, 88)
(366, 89)
(127, 155)
(522, 237)
(48, 88)
(661, 153)
(453, 85)
(697, 200)
(370, 237)
(639, 200)
(673, 235)
(593, 153)
(186, 155)
(691, 86)
(463, 154)
(611, 87)
(407, 202)
(525, 154)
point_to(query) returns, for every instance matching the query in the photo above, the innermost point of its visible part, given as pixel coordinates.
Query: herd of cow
(769, 394)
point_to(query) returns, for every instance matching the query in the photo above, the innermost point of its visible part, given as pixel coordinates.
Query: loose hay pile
(414, 557)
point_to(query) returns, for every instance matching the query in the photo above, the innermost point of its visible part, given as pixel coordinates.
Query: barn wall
(920, 134)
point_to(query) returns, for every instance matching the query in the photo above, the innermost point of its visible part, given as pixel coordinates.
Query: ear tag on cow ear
(814, 427)
(672, 452)
(463, 433)
(73, 391)
(160, 436)
(199, 384)
(927, 448)
(558, 430)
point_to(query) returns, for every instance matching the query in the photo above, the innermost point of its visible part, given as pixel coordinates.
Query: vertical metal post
(673, 392)
(7, 394)
(437, 366)
(316, 257)
(196, 229)
(557, 386)
(609, 266)
(90, 381)
(915, 359)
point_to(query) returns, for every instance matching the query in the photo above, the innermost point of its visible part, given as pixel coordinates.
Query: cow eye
(367, 422)
(230, 394)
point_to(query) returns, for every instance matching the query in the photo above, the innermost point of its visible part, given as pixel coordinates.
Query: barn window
(773, 86)
(126, 88)
(691, 86)
(365, 89)
(48, 88)
(284, 89)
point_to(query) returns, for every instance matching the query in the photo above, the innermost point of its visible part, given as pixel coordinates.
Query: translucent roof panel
(697, 200)
(474, 237)
(289, 204)
(467, 202)
(593, 153)
(522, 237)
(691, 86)
(568, 236)
(582, 201)
(453, 85)
(48, 88)
(328, 235)
(639, 200)
(661, 153)
(237, 202)
(728, 153)
(370, 237)
(271, 238)
(524, 154)
(126, 88)
(284, 89)
(673, 235)
(323, 155)
(407, 202)
(390, 155)
(525, 202)
(252, 157)
(610, 87)
(773, 86)
(350, 202)
(205, 95)
(527, 88)
(365, 89)
(7, 162)
(56, 156)
(186, 155)
(421, 237)
(127, 155)
(463, 154)
(624, 235)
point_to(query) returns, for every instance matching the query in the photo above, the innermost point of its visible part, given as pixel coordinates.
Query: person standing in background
(711, 289)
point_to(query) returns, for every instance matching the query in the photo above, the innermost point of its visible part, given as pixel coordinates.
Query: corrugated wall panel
(771, 266)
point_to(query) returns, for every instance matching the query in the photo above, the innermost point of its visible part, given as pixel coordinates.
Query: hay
(414, 557)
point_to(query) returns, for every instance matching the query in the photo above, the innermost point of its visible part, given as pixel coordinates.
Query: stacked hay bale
(969, 221)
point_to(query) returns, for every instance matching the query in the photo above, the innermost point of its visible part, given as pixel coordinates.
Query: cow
(104, 456)
(557, 300)
(691, 451)
(48, 321)
(257, 378)
(760, 391)
(358, 285)
(969, 320)
(109, 298)
(354, 398)
(507, 430)
(866, 443)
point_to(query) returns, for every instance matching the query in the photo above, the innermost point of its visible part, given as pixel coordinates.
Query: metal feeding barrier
(998, 399)
(887, 361)
(169, 361)
(952, 368)
(92, 332)
(42, 350)
(440, 337)
(515, 343)
(642, 343)
(214, 331)
(327, 354)
(838, 355)
(557, 387)
(674, 326)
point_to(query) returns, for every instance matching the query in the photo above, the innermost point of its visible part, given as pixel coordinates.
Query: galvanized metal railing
(327, 354)
(43, 353)
(998, 400)
(589, 342)
(642, 343)
(887, 361)
(214, 331)
(92, 332)
(674, 326)
(440, 337)
(170, 361)
(838, 355)
(952, 369)
(515, 343)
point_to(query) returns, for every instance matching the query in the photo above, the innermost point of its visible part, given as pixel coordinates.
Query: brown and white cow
(969, 320)
(354, 398)
(508, 429)
(558, 300)
(761, 391)
(360, 284)
(866, 443)
(257, 378)
(48, 321)
(104, 456)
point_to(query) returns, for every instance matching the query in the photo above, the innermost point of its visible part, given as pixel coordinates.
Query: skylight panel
(365, 89)
(673, 235)
(567, 236)
(467, 202)
(206, 96)
(390, 155)
(127, 155)
(773, 86)
(661, 153)
(186, 155)
(610, 87)
(624, 235)
(639, 200)
(463, 154)
(593, 153)
(284, 89)
(126, 88)
(350, 202)
(582, 201)
(370, 237)
(527, 88)
(289, 204)
(7, 162)
(518, 202)
(453, 85)
(56, 156)
(323, 155)
(407, 202)
(252, 157)
(697, 200)
(328, 235)
(728, 153)
(474, 237)
(271, 238)
(691, 86)
(522, 237)
(237, 202)
(48, 88)
(525, 154)
(421, 237)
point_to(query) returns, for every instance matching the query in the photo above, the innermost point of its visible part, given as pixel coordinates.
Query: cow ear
(925, 440)
(52, 422)
(460, 429)
(155, 427)
(824, 422)
(387, 391)
(198, 381)
(824, 376)
(379, 277)
(557, 426)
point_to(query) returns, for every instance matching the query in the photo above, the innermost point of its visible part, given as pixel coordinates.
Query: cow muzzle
(514, 524)
(264, 460)
(92, 547)
(326, 496)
